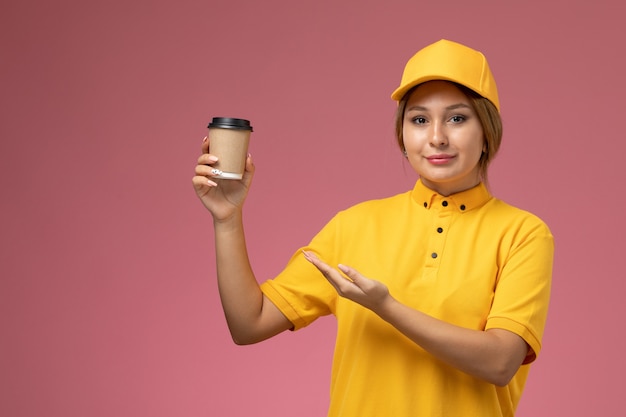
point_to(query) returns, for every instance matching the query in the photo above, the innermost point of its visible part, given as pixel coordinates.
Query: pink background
(108, 302)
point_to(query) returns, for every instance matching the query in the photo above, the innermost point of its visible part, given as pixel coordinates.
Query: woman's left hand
(367, 292)
(493, 355)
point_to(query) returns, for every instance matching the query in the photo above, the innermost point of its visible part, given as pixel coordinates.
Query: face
(443, 137)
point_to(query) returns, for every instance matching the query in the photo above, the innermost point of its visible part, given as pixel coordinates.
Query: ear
(403, 149)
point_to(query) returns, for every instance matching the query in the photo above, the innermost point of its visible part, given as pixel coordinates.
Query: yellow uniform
(468, 259)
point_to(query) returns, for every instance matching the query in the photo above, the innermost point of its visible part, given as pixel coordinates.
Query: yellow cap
(450, 61)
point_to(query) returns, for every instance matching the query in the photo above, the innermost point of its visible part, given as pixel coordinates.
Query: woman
(440, 293)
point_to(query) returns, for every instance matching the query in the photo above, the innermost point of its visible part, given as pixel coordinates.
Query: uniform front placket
(442, 212)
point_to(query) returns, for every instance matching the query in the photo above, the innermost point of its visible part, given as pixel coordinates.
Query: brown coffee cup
(228, 140)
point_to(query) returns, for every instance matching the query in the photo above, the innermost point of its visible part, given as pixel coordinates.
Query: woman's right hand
(223, 198)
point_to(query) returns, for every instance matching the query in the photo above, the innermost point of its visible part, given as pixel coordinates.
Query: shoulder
(516, 219)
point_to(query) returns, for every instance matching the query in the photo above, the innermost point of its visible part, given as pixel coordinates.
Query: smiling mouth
(440, 159)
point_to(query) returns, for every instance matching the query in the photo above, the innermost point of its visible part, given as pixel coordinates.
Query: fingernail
(205, 139)
(215, 171)
(212, 183)
(212, 158)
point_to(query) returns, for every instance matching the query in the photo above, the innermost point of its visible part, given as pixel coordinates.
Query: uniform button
(462, 206)
(434, 255)
(439, 230)
(445, 203)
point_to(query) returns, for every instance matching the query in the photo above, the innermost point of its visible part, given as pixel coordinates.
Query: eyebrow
(451, 107)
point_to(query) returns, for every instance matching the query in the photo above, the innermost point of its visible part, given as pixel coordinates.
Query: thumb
(351, 273)
(249, 163)
(249, 170)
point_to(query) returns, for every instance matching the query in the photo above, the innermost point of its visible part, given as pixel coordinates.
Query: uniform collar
(462, 202)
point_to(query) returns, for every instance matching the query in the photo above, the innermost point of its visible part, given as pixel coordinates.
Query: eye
(457, 118)
(419, 120)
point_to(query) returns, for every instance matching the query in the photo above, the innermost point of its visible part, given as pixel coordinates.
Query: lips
(440, 159)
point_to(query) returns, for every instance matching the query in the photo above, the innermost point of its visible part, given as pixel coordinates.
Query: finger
(249, 164)
(311, 257)
(319, 264)
(207, 159)
(330, 273)
(356, 278)
(207, 171)
(350, 272)
(205, 145)
(200, 182)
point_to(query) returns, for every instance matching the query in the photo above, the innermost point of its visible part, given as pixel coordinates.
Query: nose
(438, 135)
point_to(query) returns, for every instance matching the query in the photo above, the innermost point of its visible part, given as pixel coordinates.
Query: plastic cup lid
(230, 123)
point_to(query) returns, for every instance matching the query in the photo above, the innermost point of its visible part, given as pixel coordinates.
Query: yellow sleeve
(300, 291)
(522, 292)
